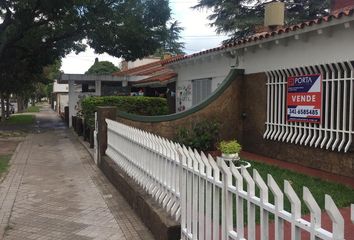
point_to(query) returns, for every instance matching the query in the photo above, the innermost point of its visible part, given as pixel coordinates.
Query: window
(337, 127)
(88, 87)
(201, 89)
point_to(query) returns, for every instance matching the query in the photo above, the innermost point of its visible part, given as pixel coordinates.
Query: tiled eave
(344, 18)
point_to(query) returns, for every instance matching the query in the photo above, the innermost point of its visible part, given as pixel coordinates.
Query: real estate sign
(304, 98)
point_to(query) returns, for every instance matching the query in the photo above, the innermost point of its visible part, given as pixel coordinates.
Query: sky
(197, 36)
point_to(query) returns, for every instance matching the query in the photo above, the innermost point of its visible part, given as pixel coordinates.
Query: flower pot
(230, 157)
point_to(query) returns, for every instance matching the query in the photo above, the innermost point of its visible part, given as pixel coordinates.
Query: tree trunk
(20, 104)
(2, 108)
(7, 106)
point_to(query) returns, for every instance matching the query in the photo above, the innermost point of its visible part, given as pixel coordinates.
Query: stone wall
(254, 95)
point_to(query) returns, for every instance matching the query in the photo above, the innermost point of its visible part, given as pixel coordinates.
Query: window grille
(336, 129)
(201, 89)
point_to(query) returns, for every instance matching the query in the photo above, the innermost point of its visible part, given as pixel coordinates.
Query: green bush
(147, 106)
(201, 136)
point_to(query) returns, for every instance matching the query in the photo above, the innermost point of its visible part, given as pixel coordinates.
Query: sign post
(304, 100)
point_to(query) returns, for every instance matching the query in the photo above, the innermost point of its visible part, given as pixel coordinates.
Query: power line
(175, 2)
(205, 36)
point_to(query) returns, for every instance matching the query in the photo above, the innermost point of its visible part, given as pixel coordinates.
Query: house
(84, 85)
(125, 65)
(152, 80)
(292, 93)
(322, 41)
(60, 97)
(149, 78)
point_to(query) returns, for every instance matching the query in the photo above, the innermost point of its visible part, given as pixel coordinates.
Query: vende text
(303, 98)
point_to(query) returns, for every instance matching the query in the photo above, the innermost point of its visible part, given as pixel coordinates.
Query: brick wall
(254, 105)
(248, 95)
(226, 109)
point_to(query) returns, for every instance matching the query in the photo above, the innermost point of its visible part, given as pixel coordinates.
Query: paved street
(54, 191)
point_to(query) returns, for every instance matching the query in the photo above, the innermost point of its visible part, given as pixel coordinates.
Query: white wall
(76, 97)
(216, 67)
(60, 87)
(328, 47)
(141, 62)
(63, 102)
(331, 44)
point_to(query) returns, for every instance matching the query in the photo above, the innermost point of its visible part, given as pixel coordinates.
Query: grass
(20, 120)
(342, 195)
(33, 109)
(4, 163)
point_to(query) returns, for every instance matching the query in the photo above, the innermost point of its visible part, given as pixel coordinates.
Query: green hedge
(147, 106)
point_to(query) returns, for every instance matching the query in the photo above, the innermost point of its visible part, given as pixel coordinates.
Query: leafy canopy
(238, 18)
(36, 33)
(102, 68)
(172, 43)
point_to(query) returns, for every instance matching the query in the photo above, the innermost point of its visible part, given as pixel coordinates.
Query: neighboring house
(60, 97)
(125, 65)
(297, 86)
(150, 79)
(328, 40)
(153, 80)
(82, 85)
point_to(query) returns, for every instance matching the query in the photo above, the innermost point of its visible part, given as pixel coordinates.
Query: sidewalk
(54, 191)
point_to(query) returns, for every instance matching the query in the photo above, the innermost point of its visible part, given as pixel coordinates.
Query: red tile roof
(144, 70)
(260, 36)
(154, 71)
(138, 71)
(158, 78)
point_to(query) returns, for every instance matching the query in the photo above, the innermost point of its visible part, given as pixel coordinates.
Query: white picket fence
(210, 199)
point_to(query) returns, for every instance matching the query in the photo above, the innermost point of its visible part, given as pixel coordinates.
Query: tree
(172, 43)
(238, 18)
(102, 68)
(122, 28)
(35, 33)
(51, 73)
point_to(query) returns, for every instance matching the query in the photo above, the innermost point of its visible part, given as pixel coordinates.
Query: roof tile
(259, 36)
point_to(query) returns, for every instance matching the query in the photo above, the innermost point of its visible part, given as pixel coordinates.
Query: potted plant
(230, 149)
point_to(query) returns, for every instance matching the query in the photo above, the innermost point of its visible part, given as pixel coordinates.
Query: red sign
(304, 99)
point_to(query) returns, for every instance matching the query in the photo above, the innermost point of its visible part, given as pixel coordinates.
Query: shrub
(201, 136)
(147, 106)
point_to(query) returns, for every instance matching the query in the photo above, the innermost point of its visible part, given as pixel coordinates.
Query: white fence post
(95, 143)
(336, 217)
(315, 212)
(264, 221)
(227, 206)
(279, 206)
(295, 210)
